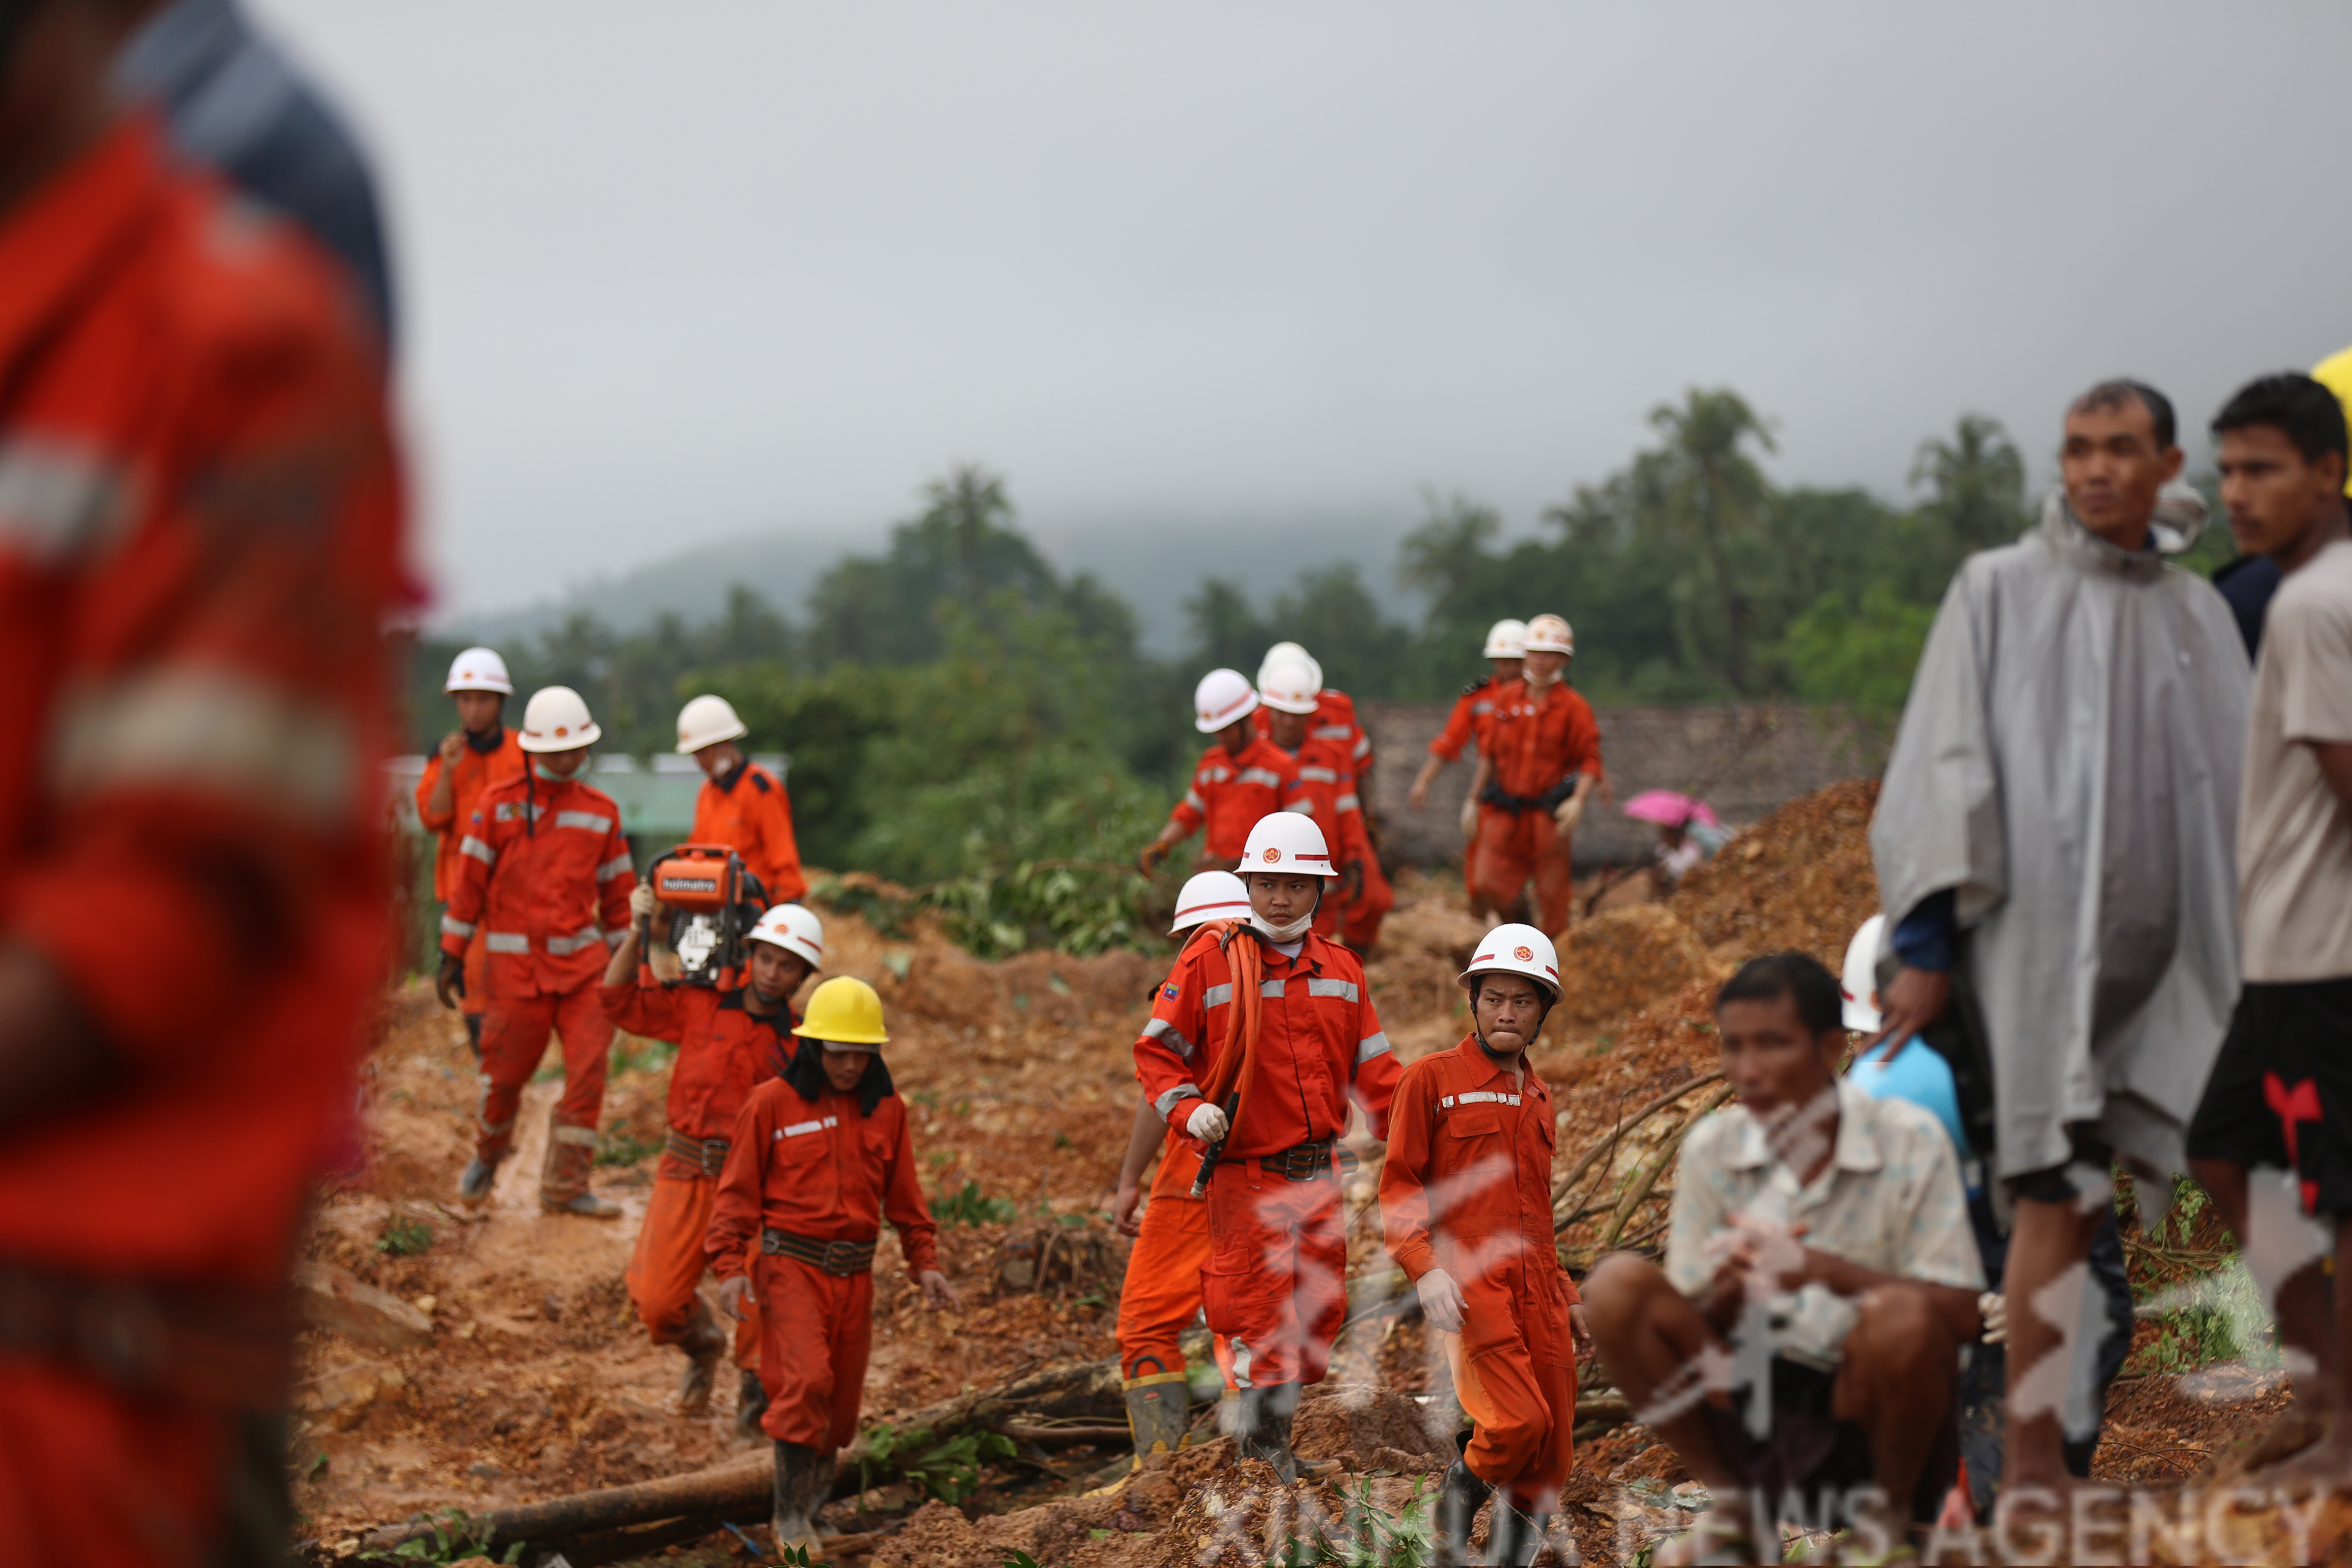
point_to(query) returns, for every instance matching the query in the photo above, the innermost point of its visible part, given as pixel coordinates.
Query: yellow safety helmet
(2334, 373)
(844, 1011)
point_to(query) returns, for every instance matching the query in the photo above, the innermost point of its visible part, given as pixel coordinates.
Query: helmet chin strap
(1479, 1034)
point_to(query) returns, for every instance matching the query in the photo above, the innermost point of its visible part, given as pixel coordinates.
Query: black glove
(450, 981)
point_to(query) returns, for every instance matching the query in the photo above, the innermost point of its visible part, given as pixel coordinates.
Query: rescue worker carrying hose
(480, 753)
(200, 544)
(740, 805)
(1240, 779)
(545, 879)
(729, 1043)
(1505, 652)
(821, 1156)
(1465, 1206)
(1162, 1289)
(1287, 694)
(1542, 763)
(1262, 1034)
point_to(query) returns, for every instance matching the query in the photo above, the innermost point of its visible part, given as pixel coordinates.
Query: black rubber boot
(751, 1404)
(1158, 1409)
(1262, 1428)
(1459, 1497)
(1513, 1538)
(801, 1478)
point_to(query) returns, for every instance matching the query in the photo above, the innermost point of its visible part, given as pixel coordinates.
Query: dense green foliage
(969, 722)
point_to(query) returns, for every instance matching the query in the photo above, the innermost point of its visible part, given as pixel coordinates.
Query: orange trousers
(477, 1000)
(1275, 1284)
(1514, 846)
(1513, 1370)
(665, 1272)
(514, 1036)
(817, 1331)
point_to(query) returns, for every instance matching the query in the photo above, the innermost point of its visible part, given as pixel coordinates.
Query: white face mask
(1290, 933)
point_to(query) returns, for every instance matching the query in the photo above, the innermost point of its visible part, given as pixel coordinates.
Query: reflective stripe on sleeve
(579, 941)
(1169, 1035)
(1330, 731)
(1265, 776)
(506, 942)
(1371, 1046)
(1192, 798)
(1302, 806)
(594, 822)
(1343, 989)
(614, 938)
(1350, 802)
(470, 845)
(1364, 747)
(212, 729)
(1216, 995)
(618, 866)
(56, 496)
(1318, 775)
(452, 926)
(1166, 1104)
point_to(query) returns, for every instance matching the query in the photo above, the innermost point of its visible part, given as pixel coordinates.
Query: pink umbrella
(1668, 808)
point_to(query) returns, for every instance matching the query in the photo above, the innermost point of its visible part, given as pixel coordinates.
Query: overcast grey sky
(679, 272)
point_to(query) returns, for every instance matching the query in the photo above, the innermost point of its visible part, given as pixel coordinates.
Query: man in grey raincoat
(2056, 833)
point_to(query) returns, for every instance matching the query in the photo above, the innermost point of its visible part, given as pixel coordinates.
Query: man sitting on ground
(1800, 1346)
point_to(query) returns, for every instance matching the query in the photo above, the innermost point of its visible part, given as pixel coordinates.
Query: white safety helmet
(557, 721)
(1210, 896)
(1549, 633)
(1288, 842)
(1859, 983)
(1288, 653)
(1222, 697)
(1288, 688)
(793, 929)
(1516, 949)
(479, 669)
(706, 722)
(1506, 639)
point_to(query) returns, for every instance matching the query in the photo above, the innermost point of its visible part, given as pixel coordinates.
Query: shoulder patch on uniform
(1480, 684)
(760, 782)
(1169, 992)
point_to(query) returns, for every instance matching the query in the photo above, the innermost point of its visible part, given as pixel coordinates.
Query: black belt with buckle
(1308, 1161)
(837, 1257)
(708, 1156)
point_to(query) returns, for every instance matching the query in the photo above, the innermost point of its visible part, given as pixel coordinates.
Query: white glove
(642, 902)
(1208, 1123)
(1469, 817)
(1993, 1307)
(1568, 814)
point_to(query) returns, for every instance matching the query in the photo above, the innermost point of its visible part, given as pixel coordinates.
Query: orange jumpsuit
(1335, 721)
(476, 772)
(1329, 784)
(200, 542)
(1276, 1282)
(1540, 745)
(751, 814)
(1467, 726)
(1231, 792)
(723, 1053)
(1467, 1188)
(544, 876)
(811, 1165)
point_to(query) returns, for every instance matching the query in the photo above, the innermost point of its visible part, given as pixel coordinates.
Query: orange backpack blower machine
(712, 901)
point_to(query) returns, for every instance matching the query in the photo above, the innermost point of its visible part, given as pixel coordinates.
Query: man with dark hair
(1802, 1343)
(2268, 1140)
(2054, 847)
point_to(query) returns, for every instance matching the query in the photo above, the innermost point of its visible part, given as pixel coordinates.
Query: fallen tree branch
(1660, 1161)
(1607, 1146)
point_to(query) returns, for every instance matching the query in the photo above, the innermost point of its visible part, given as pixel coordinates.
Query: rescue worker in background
(545, 878)
(1335, 712)
(1506, 647)
(479, 754)
(1276, 1282)
(1286, 695)
(1465, 1206)
(1541, 764)
(193, 886)
(729, 1043)
(1240, 779)
(1162, 1294)
(741, 804)
(821, 1156)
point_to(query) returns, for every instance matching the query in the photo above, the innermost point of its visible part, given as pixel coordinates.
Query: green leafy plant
(948, 1470)
(798, 1557)
(969, 1205)
(1370, 1537)
(455, 1536)
(621, 1147)
(632, 1053)
(404, 1237)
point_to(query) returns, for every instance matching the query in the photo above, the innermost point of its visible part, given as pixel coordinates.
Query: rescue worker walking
(1161, 1292)
(729, 1043)
(821, 1156)
(1262, 1034)
(1240, 779)
(1465, 1206)
(1506, 653)
(1335, 712)
(1542, 763)
(1287, 693)
(199, 542)
(479, 754)
(741, 804)
(545, 879)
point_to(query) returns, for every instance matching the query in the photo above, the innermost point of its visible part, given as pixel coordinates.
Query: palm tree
(1700, 492)
(1977, 483)
(1441, 557)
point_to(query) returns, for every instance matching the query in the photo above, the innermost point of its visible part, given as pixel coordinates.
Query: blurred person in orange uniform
(1287, 694)
(1161, 1292)
(1276, 1282)
(821, 1155)
(1505, 652)
(200, 544)
(544, 877)
(1240, 779)
(742, 805)
(729, 1042)
(478, 753)
(1335, 712)
(1543, 760)
(1466, 1205)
